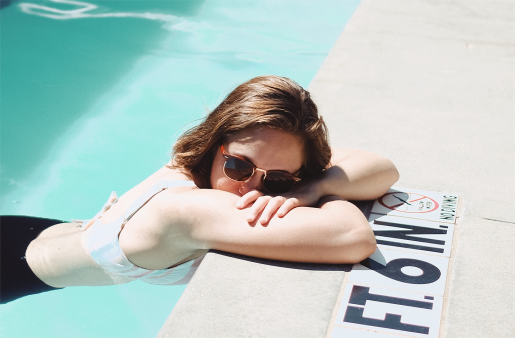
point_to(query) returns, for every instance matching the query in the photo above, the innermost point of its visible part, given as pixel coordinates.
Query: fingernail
(250, 218)
(264, 220)
(238, 205)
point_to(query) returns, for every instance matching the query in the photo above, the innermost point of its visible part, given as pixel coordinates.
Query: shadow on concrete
(364, 206)
(288, 265)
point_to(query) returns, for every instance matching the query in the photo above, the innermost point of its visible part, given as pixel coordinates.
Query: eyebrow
(245, 158)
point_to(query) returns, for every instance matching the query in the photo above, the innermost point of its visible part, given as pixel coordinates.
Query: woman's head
(263, 102)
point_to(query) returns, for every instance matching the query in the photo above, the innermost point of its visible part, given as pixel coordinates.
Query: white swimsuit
(101, 240)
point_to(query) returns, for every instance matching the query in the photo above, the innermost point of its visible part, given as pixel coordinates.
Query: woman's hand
(305, 194)
(263, 204)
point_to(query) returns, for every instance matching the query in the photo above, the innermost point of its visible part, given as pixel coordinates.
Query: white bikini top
(101, 240)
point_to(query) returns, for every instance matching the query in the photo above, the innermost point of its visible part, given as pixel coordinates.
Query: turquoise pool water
(93, 94)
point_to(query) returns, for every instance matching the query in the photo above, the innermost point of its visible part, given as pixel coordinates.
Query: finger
(257, 207)
(271, 207)
(287, 206)
(248, 198)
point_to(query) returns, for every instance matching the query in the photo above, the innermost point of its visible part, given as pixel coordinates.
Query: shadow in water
(5, 3)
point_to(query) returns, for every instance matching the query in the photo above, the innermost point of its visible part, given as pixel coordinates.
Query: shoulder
(157, 236)
(169, 211)
(344, 154)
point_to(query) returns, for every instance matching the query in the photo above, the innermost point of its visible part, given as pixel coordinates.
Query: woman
(257, 177)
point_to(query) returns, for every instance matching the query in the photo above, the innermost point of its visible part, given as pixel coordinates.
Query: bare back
(57, 256)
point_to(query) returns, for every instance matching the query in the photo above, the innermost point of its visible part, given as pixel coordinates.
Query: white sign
(344, 332)
(398, 290)
(418, 204)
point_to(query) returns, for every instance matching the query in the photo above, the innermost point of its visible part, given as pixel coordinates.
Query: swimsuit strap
(149, 194)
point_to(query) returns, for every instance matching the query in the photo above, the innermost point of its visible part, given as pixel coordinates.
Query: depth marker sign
(418, 204)
(399, 289)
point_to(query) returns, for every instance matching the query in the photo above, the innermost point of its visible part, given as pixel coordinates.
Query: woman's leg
(16, 278)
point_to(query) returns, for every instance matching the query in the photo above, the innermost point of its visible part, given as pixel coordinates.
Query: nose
(255, 182)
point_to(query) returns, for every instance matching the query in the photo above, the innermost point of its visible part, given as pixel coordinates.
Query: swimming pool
(72, 71)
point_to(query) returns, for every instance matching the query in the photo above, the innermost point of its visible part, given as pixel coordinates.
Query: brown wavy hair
(264, 101)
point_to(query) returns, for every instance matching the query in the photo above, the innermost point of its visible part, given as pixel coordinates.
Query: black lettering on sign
(448, 209)
(392, 269)
(409, 235)
(359, 296)
(410, 246)
(444, 215)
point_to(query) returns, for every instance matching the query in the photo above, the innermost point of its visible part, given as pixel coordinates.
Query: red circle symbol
(408, 202)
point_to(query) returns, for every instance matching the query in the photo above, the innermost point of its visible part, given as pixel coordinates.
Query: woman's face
(266, 148)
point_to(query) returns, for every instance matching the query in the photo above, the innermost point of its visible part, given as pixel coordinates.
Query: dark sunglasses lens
(278, 182)
(237, 169)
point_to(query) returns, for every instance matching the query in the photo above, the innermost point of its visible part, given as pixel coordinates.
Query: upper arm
(335, 233)
(338, 155)
(366, 175)
(351, 158)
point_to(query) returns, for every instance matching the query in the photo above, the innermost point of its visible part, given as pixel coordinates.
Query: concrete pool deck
(430, 85)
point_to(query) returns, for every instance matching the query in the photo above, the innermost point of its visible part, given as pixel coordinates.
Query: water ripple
(84, 9)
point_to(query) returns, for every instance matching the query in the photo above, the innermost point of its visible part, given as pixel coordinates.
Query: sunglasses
(239, 169)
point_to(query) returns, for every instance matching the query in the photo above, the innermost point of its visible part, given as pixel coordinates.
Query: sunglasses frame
(254, 169)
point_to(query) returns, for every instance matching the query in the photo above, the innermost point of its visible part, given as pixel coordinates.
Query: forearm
(335, 233)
